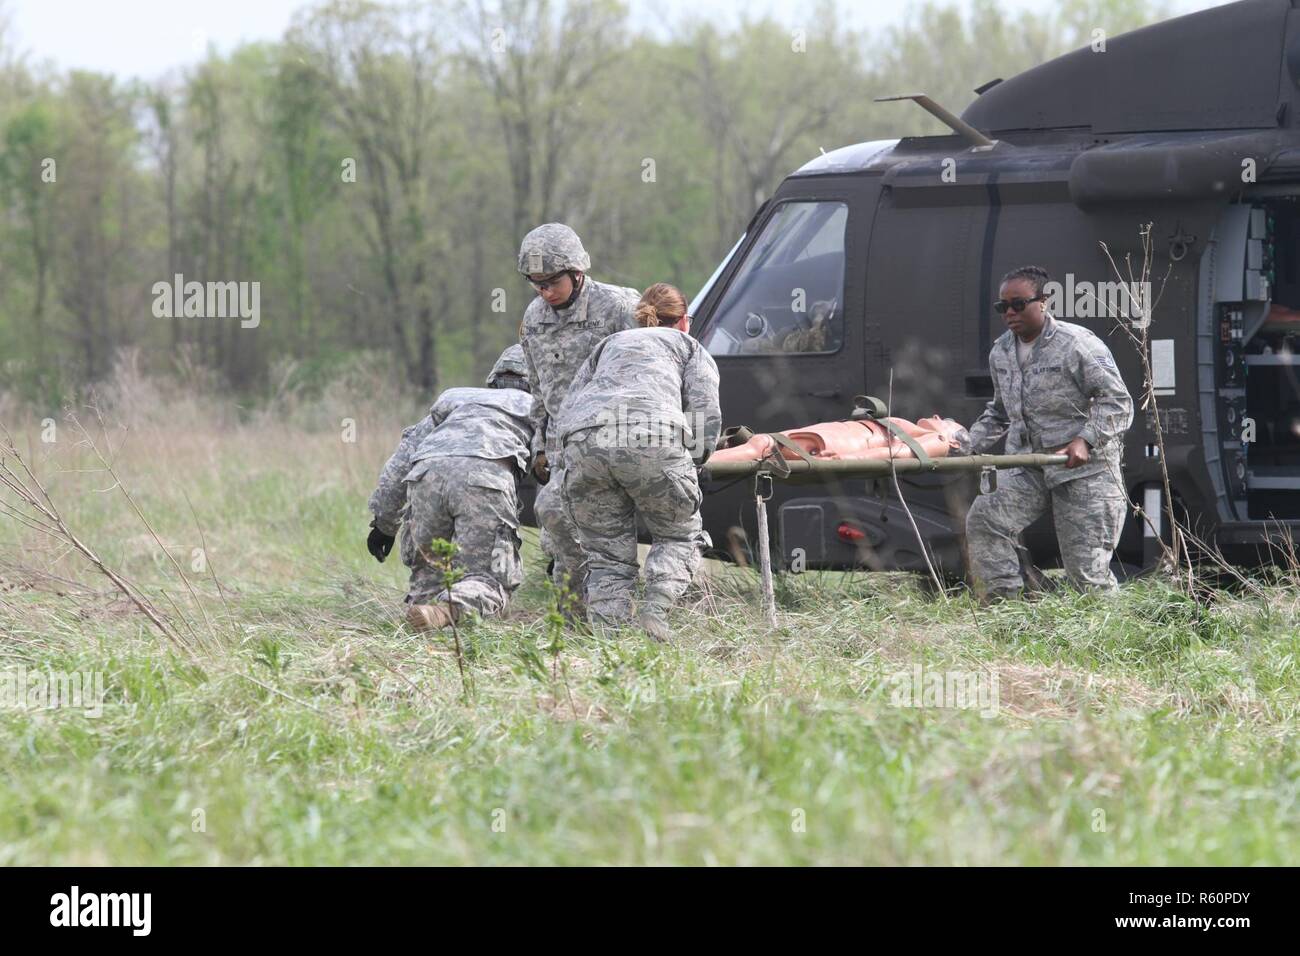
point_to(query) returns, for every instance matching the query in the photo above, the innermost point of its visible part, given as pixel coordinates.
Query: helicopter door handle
(833, 393)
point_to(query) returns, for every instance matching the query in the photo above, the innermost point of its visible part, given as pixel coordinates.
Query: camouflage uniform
(454, 476)
(556, 342)
(1069, 388)
(642, 413)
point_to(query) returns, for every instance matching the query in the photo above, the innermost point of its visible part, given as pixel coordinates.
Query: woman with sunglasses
(1056, 390)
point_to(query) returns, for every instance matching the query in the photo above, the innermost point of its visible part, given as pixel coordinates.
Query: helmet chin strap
(577, 289)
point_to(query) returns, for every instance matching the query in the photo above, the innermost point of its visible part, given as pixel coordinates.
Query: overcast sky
(148, 37)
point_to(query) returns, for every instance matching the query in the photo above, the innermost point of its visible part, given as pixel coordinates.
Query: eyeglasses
(548, 282)
(1002, 306)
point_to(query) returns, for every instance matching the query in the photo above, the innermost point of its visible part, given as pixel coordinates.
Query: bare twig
(898, 490)
(18, 477)
(1175, 552)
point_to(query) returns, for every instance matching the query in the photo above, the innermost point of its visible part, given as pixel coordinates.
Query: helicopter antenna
(955, 123)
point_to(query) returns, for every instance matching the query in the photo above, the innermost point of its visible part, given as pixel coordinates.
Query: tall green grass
(312, 728)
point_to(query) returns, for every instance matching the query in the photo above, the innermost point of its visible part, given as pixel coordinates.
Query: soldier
(571, 314)
(1055, 389)
(453, 477)
(642, 415)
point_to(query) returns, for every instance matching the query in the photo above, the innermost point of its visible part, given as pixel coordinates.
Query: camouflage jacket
(466, 422)
(557, 342)
(645, 382)
(1069, 388)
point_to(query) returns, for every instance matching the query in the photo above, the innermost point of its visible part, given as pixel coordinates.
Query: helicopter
(1158, 182)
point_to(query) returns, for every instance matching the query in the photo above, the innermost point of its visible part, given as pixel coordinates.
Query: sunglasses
(1003, 306)
(549, 282)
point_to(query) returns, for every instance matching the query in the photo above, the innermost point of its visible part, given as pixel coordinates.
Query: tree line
(374, 169)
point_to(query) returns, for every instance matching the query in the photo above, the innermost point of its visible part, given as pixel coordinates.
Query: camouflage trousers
(474, 503)
(606, 489)
(559, 538)
(1088, 513)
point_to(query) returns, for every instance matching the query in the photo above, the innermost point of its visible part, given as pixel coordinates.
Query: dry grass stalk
(36, 510)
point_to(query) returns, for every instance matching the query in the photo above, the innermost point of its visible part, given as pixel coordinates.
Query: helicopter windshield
(787, 293)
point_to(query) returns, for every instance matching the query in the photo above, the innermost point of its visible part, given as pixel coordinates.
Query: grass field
(300, 723)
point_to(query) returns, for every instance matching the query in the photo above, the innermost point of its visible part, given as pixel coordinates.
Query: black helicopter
(873, 269)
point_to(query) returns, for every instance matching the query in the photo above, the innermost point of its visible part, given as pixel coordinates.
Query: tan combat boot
(653, 619)
(429, 617)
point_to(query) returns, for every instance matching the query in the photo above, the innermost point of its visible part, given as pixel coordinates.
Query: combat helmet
(550, 248)
(511, 362)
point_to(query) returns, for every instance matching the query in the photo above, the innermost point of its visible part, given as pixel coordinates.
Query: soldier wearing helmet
(510, 371)
(570, 316)
(454, 476)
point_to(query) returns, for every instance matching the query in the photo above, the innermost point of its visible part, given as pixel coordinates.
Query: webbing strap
(926, 462)
(793, 446)
(877, 411)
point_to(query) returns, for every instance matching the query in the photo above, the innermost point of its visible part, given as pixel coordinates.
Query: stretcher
(871, 444)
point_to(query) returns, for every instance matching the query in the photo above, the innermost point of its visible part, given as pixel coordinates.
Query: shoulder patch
(1103, 360)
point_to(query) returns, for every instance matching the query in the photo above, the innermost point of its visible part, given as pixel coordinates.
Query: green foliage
(375, 169)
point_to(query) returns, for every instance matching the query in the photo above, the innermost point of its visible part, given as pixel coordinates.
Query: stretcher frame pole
(763, 482)
(818, 470)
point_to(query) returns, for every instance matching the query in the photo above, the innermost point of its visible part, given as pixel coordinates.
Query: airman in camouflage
(1055, 390)
(454, 476)
(643, 413)
(571, 314)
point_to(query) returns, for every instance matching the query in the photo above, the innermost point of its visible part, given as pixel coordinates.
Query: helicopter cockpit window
(788, 295)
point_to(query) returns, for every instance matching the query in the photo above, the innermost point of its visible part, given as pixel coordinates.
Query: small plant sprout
(442, 556)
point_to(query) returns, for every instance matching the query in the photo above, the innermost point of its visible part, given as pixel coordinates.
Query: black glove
(379, 544)
(541, 468)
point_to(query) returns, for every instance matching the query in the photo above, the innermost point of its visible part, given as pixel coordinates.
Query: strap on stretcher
(867, 406)
(926, 462)
(782, 441)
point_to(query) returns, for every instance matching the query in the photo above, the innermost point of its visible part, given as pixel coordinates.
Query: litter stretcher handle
(831, 469)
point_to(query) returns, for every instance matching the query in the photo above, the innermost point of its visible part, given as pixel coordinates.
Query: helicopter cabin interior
(1249, 353)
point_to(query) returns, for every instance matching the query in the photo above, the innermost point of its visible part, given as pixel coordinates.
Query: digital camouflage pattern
(1069, 388)
(474, 503)
(647, 377)
(454, 476)
(556, 342)
(643, 410)
(479, 423)
(464, 422)
(606, 489)
(550, 248)
(1088, 513)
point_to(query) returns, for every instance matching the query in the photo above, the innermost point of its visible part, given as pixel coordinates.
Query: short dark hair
(1036, 275)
